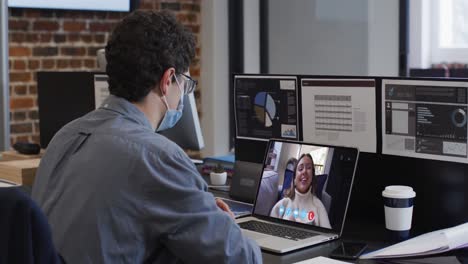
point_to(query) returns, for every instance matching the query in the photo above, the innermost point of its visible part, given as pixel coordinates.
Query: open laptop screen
(306, 183)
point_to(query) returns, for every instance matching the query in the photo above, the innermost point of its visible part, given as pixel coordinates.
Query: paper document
(425, 119)
(426, 244)
(321, 260)
(340, 112)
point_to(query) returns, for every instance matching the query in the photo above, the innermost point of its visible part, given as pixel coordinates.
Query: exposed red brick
(21, 102)
(19, 65)
(87, 38)
(20, 77)
(21, 90)
(60, 38)
(100, 15)
(48, 64)
(17, 51)
(74, 26)
(32, 13)
(33, 114)
(87, 14)
(18, 25)
(148, 5)
(45, 51)
(19, 116)
(46, 25)
(21, 139)
(182, 18)
(62, 64)
(32, 89)
(21, 128)
(73, 37)
(116, 15)
(100, 27)
(194, 28)
(76, 63)
(99, 38)
(73, 51)
(35, 138)
(170, 6)
(16, 37)
(195, 72)
(16, 12)
(33, 64)
(92, 51)
(47, 37)
(191, 7)
(33, 37)
(91, 64)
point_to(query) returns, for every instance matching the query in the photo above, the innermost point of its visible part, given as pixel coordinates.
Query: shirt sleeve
(183, 215)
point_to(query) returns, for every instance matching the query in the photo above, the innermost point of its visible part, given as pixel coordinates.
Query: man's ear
(166, 80)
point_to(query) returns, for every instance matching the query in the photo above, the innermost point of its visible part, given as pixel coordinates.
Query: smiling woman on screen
(300, 203)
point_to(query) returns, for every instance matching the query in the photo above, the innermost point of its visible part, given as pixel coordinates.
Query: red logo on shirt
(311, 215)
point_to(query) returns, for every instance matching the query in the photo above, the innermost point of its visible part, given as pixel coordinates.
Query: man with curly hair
(114, 191)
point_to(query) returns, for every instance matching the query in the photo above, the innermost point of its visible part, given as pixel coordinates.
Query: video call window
(306, 183)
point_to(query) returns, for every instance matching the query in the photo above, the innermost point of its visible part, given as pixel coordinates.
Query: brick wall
(66, 40)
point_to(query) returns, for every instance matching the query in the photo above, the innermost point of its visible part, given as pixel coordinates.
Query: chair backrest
(321, 180)
(25, 235)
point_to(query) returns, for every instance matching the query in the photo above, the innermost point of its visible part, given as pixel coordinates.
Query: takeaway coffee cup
(398, 205)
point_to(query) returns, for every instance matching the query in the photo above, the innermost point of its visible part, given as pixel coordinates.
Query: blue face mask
(172, 116)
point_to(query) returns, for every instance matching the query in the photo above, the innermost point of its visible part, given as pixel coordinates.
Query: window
(449, 33)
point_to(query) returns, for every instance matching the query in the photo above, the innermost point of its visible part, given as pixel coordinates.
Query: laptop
(243, 187)
(305, 207)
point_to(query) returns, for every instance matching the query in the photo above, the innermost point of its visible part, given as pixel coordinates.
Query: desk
(363, 231)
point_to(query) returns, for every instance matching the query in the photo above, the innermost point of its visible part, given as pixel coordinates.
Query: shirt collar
(125, 108)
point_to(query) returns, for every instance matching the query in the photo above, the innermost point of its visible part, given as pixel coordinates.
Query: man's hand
(223, 206)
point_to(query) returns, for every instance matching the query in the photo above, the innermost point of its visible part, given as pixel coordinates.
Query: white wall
(358, 37)
(383, 38)
(251, 36)
(342, 37)
(419, 36)
(215, 77)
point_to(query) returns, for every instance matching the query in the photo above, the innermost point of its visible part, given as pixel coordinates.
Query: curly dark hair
(142, 46)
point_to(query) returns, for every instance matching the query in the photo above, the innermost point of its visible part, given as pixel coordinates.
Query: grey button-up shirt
(114, 191)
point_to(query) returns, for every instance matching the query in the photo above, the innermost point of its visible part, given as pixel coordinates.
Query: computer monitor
(187, 132)
(65, 96)
(266, 106)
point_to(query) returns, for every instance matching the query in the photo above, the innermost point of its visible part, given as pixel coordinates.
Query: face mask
(172, 116)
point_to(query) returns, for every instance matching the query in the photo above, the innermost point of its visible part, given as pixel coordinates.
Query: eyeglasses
(190, 84)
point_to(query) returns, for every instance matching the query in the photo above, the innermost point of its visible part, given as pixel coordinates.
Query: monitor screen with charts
(305, 188)
(266, 107)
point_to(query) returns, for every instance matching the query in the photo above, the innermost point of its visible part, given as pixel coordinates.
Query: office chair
(25, 235)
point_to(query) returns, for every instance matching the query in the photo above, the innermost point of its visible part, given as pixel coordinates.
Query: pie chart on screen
(265, 108)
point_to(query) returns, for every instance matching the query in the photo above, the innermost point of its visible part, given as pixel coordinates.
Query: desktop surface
(358, 230)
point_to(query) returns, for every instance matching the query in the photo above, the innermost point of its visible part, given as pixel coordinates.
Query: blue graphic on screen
(265, 108)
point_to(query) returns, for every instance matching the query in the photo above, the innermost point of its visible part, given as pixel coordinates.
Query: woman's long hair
(291, 191)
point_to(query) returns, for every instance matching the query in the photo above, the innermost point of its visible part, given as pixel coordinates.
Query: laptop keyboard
(276, 230)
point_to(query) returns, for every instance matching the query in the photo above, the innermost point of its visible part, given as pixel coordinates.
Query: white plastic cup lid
(398, 192)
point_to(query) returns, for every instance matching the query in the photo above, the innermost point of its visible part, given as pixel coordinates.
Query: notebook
(305, 207)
